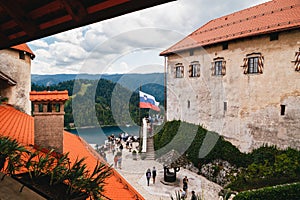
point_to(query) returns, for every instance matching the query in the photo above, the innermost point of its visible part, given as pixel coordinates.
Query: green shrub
(284, 192)
(188, 138)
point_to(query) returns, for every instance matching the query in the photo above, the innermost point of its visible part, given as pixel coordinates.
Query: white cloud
(39, 43)
(109, 46)
(74, 36)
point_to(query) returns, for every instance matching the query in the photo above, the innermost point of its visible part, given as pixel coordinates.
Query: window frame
(219, 67)
(194, 69)
(253, 63)
(179, 70)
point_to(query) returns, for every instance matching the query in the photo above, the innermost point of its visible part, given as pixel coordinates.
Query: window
(49, 107)
(179, 70)
(191, 52)
(273, 36)
(188, 104)
(194, 69)
(225, 106)
(218, 67)
(282, 109)
(22, 55)
(297, 61)
(225, 45)
(253, 64)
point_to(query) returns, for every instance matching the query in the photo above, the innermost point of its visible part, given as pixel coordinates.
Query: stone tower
(15, 76)
(48, 112)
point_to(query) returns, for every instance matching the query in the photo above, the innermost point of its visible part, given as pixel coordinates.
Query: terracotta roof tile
(24, 47)
(265, 18)
(18, 125)
(49, 95)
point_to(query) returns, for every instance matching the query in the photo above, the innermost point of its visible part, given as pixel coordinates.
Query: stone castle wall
(253, 115)
(20, 71)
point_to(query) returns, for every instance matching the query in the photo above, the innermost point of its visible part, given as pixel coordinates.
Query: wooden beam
(46, 9)
(19, 16)
(105, 5)
(75, 9)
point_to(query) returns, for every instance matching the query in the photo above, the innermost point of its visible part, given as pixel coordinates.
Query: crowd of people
(115, 145)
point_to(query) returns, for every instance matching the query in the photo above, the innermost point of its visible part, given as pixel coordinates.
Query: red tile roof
(16, 124)
(20, 126)
(272, 16)
(24, 47)
(49, 95)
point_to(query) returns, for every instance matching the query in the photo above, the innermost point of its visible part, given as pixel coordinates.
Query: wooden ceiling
(26, 20)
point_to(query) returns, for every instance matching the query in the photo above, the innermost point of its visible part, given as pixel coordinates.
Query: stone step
(150, 155)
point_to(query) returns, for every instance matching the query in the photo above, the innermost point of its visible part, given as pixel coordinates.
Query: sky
(129, 43)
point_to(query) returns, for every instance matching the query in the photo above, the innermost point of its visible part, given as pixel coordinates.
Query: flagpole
(139, 120)
(165, 88)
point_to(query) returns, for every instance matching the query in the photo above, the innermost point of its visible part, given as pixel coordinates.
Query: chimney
(48, 112)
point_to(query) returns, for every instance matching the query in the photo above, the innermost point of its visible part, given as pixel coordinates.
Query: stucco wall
(19, 70)
(253, 100)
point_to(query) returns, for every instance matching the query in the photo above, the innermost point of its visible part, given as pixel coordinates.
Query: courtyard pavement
(134, 171)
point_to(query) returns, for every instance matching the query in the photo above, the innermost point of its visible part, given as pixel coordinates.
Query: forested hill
(152, 83)
(112, 103)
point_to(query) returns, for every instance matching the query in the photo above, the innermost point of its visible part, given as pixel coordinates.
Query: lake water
(99, 135)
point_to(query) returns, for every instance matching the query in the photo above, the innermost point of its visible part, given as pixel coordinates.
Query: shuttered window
(179, 70)
(218, 67)
(194, 69)
(253, 64)
(297, 61)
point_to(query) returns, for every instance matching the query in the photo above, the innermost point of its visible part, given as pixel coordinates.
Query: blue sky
(130, 43)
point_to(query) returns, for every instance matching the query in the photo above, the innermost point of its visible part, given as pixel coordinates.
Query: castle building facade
(15, 76)
(239, 75)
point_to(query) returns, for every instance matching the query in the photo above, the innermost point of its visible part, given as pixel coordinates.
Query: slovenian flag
(148, 101)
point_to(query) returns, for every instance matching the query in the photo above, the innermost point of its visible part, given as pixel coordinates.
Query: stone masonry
(244, 108)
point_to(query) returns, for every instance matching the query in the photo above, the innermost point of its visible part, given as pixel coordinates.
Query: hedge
(265, 166)
(282, 192)
(183, 136)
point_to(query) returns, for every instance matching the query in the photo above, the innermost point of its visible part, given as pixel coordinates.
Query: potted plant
(134, 155)
(12, 153)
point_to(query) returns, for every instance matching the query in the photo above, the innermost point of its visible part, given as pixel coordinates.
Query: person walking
(153, 174)
(193, 196)
(120, 162)
(116, 161)
(182, 194)
(185, 183)
(148, 176)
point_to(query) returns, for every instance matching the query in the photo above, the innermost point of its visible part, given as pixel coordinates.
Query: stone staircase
(150, 155)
